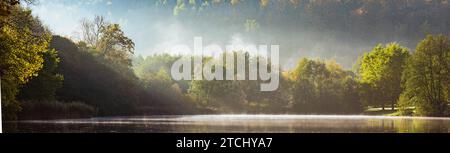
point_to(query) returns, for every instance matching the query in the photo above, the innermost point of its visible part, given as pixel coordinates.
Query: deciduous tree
(427, 76)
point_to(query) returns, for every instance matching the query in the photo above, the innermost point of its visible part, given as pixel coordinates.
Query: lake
(237, 124)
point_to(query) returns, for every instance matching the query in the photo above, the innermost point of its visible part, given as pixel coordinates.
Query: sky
(152, 27)
(157, 25)
(137, 18)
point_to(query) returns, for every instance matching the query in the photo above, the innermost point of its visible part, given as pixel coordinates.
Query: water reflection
(237, 123)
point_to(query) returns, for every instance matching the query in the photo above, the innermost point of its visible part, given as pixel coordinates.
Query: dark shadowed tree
(44, 86)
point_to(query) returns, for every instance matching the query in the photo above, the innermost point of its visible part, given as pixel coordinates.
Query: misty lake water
(236, 124)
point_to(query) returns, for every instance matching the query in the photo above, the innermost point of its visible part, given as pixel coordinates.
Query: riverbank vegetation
(99, 75)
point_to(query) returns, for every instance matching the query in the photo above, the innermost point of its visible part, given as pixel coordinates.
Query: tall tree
(427, 76)
(91, 31)
(381, 69)
(115, 46)
(23, 41)
(108, 40)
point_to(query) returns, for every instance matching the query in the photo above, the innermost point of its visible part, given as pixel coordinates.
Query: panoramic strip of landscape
(225, 66)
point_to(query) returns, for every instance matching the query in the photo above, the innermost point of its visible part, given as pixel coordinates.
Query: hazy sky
(152, 26)
(155, 26)
(139, 19)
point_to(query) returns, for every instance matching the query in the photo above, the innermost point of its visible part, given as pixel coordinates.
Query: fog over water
(238, 123)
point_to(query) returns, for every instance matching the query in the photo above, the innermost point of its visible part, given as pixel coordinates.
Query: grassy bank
(386, 112)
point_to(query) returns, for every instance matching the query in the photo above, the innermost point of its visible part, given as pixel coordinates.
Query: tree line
(412, 83)
(44, 75)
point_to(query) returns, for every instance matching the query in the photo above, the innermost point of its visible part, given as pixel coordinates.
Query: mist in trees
(338, 29)
(100, 75)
